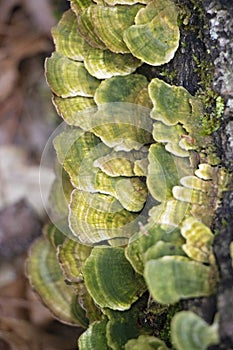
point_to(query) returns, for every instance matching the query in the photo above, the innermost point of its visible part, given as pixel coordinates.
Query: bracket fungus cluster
(134, 203)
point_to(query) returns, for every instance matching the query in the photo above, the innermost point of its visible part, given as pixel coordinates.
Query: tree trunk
(214, 39)
(221, 27)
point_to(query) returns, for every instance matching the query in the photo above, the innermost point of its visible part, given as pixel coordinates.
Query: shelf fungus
(87, 29)
(172, 278)
(120, 122)
(75, 110)
(109, 287)
(199, 240)
(165, 171)
(60, 194)
(109, 23)
(68, 78)
(189, 331)
(117, 327)
(142, 244)
(154, 38)
(68, 41)
(174, 105)
(170, 213)
(123, 2)
(79, 5)
(171, 137)
(53, 235)
(96, 217)
(161, 248)
(47, 278)
(146, 342)
(94, 337)
(123, 325)
(122, 163)
(134, 196)
(72, 255)
(103, 64)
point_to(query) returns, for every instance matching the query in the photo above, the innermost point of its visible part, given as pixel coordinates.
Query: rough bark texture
(221, 29)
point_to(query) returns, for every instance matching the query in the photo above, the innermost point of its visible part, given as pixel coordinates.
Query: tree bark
(220, 14)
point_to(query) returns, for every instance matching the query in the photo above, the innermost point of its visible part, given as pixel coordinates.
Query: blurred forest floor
(27, 118)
